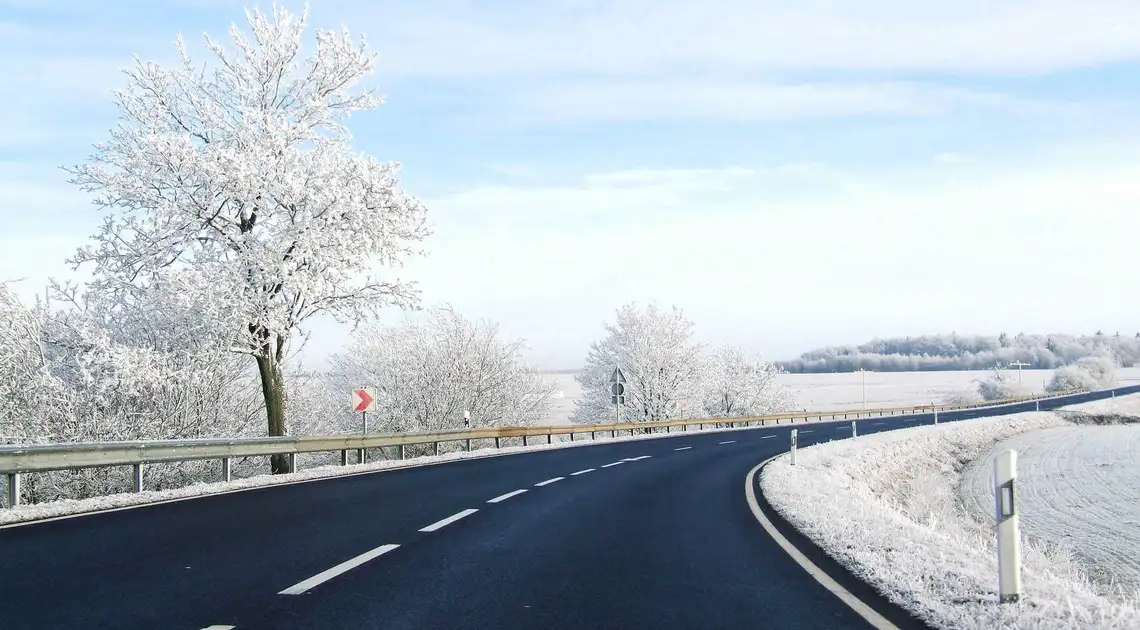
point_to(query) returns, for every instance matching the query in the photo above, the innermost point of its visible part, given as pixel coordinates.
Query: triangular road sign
(617, 377)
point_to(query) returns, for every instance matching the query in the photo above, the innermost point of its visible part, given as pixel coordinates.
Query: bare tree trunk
(273, 390)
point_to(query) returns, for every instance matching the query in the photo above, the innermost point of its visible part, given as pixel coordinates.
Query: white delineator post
(1008, 536)
(935, 416)
(854, 431)
(793, 447)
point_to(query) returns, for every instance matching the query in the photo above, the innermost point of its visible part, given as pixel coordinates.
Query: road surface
(629, 534)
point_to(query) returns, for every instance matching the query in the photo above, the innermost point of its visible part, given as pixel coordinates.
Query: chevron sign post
(363, 400)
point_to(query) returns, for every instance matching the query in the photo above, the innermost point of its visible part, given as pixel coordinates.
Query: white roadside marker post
(854, 431)
(1008, 536)
(935, 416)
(1038, 405)
(793, 447)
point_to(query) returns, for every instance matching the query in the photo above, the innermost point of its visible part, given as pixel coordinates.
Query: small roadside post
(1008, 536)
(854, 431)
(794, 431)
(467, 425)
(363, 401)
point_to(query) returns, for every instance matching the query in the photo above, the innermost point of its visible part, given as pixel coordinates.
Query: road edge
(882, 615)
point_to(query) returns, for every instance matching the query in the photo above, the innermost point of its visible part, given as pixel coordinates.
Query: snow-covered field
(894, 517)
(824, 392)
(1079, 487)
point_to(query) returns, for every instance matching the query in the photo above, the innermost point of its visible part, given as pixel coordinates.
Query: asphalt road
(657, 534)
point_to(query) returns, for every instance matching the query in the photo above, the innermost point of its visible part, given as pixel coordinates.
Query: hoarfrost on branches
(243, 175)
(427, 372)
(738, 385)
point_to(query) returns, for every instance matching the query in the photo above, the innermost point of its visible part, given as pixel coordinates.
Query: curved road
(654, 534)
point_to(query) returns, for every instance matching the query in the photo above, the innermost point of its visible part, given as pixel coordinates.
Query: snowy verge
(1122, 408)
(893, 518)
(68, 507)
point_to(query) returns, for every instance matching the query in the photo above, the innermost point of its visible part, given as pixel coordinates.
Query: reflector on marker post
(1008, 536)
(794, 447)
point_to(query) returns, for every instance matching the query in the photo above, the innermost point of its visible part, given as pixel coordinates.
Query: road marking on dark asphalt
(766, 437)
(582, 472)
(636, 459)
(449, 520)
(878, 423)
(806, 430)
(504, 497)
(859, 606)
(325, 576)
(548, 482)
(220, 628)
(683, 448)
(613, 464)
(729, 442)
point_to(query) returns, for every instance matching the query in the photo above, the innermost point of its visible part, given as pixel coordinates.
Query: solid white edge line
(582, 472)
(862, 609)
(613, 464)
(548, 482)
(449, 520)
(683, 448)
(324, 576)
(504, 497)
(220, 628)
(729, 442)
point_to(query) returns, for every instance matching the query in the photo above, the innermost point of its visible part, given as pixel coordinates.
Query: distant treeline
(966, 352)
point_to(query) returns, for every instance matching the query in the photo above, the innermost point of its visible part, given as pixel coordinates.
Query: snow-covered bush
(661, 362)
(428, 371)
(962, 397)
(735, 384)
(1000, 385)
(1088, 374)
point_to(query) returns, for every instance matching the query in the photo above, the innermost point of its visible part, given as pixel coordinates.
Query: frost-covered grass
(66, 507)
(1079, 489)
(893, 517)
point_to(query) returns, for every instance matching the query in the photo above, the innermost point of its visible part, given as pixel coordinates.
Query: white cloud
(631, 37)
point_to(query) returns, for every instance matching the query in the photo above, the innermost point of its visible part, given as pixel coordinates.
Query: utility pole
(864, 371)
(1018, 364)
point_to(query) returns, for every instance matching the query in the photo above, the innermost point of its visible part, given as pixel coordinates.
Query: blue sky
(791, 174)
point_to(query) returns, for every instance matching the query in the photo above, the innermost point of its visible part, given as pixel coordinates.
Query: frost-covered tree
(735, 384)
(241, 171)
(428, 371)
(661, 362)
(1088, 374)
(1000, 385)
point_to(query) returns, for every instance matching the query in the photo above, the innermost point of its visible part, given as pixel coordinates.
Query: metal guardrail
(22, 459)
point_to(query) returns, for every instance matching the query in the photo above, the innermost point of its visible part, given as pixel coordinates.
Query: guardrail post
(435, 447)
(227, 469)
(613, 433)
(402, 449)
(524, 440)
(593, 435)
(1008, 538)
(572, 435)
(496, 441)
(13, 489)
(468, 443)
(793, 447)
(138, 478)
(292, 462)
(344, 457)
(549, 438)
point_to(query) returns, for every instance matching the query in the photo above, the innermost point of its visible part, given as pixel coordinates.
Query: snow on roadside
(1079, 488)
(67, 507)
(892, 517)
(1119, 406)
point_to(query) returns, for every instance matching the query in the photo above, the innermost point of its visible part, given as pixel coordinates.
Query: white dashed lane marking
(548, 482)
(729, 442)
(449, 520)
(613, 464)
(582, 472)
(636, 459)
(766, 437)
(348, 565)
(683, 448)
(504, 497)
